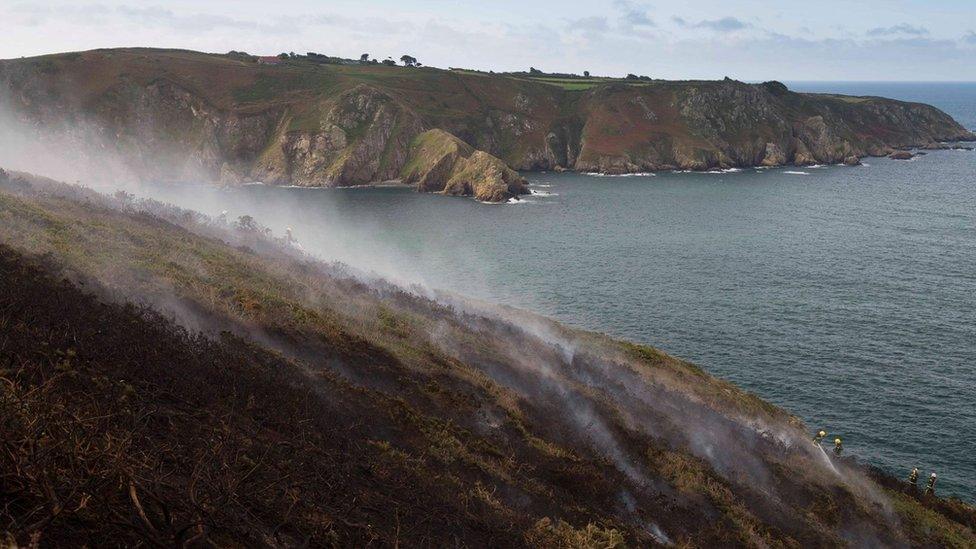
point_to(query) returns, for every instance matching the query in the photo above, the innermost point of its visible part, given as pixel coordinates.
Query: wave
(636, 174)
(710, 172)
(790, 172)
(534, 192)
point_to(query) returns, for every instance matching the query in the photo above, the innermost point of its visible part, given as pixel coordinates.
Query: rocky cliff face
(707, 125)
(362, 136)
(440, 162)
(182, 115)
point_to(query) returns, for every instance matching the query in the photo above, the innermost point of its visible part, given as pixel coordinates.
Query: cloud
(155, 16)
(725, 24)
(615, 42)
(144, 17)
(590, 24)
(903, 28)
(633, 14)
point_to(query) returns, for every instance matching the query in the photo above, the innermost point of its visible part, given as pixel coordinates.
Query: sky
(900, 40)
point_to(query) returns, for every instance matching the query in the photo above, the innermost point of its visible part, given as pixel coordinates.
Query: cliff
(167, 379)
(182, 115)
(440, 162)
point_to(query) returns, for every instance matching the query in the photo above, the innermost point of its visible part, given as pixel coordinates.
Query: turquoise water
(846, 295)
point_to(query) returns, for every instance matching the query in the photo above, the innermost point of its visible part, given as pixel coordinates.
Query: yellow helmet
(836, 441)
(822, 433)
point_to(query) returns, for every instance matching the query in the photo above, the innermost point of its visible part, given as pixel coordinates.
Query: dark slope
(327, 407)
(188, 115)
(119, 427)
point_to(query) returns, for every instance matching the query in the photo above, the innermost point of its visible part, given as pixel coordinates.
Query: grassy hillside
(187, 115)
(169, 378)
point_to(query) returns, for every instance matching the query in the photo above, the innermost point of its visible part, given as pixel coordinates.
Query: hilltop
(177, 115)
(171, 379)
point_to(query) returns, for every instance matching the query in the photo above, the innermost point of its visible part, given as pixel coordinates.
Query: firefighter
(913, 477)
(818, 438)
(930, 489)
(838, 446)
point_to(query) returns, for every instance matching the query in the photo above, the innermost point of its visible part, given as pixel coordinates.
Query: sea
(846, 295)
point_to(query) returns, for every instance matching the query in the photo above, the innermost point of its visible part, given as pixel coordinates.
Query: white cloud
(902, 29)
(725, 24)
(633, 14)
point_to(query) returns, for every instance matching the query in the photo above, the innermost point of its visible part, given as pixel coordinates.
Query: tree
(282, 56)
(389, 62)
(533, 70)
(364, 58)
(246, 223)
(631, 77)
(586, 74)
(408, 60)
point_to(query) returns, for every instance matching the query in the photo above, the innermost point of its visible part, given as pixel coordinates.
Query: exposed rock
(946, 147)
(362, 137)
(852, 160)
(774, 155)
(440, 162)
(901, 155)
(191, 116)
(802, 155)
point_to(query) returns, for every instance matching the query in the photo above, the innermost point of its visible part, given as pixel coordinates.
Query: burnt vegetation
(171, 379)
(120, 427)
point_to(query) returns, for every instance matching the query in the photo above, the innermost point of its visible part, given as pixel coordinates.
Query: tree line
(315, 57)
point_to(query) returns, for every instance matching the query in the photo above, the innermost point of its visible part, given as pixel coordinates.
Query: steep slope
(182, 115)
(705, 125)
(326, 407)
(439, 162)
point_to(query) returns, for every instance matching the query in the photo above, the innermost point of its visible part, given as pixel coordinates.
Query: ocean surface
(846, 295)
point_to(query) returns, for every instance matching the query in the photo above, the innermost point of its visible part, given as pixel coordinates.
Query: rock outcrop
(362, 136)
(709, 125)
(440, 162)
(177, 115)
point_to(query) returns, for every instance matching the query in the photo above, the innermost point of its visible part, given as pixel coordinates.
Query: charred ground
(311, 403)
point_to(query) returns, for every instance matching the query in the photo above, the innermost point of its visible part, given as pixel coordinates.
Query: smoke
(599, 390)
(75, 152)
(600, 399)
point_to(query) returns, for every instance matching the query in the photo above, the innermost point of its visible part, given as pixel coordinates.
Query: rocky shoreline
(895, 154)
(176, 116)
